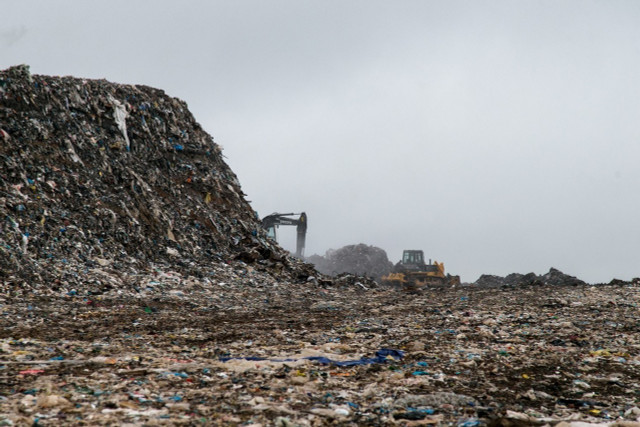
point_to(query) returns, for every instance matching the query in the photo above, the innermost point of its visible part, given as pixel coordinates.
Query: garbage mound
(554, 277)
(360, 259)
(95, 174)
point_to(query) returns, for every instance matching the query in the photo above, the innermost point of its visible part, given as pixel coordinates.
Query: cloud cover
(498, 136)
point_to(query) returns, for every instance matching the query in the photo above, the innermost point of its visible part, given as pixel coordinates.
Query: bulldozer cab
(413, 260)
(410, 257)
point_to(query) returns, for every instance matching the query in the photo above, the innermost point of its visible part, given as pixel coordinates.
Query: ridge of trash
(553, 277)
(101, 181)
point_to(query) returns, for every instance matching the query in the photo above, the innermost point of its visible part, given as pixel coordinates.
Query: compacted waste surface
(301, 354)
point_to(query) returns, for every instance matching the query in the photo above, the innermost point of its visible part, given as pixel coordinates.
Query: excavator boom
(271, 222)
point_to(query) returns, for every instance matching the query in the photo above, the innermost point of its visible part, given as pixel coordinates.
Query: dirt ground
(465, 356)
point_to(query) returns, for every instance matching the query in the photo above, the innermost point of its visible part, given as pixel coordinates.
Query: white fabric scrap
(120, 116)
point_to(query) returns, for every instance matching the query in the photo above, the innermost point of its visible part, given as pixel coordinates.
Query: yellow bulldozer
(413, 273)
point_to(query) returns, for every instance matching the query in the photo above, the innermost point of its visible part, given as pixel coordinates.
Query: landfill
(138, 289)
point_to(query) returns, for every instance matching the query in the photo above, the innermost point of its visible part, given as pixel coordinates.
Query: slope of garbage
(360, 259)
(137, 288)
(100, 182)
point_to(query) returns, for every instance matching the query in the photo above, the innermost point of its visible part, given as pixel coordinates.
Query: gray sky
(498, 136)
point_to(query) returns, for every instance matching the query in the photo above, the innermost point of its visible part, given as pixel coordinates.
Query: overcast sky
(497, 136)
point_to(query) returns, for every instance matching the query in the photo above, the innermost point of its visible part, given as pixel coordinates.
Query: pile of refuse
(553, 278)
(101, 181)
(360, 259)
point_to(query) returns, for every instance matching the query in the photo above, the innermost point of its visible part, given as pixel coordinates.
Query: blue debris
(471, 422)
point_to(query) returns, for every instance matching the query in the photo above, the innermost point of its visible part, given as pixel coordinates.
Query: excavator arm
(271, 222)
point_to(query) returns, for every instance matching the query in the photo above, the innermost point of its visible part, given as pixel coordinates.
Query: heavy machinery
(273, 221)
(413, 273)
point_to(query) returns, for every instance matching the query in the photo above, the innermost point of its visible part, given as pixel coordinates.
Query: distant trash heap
(360, 259)
(553, 278)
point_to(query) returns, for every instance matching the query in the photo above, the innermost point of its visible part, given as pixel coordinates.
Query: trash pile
(361, 259)
(100, 182)
(553, 278)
